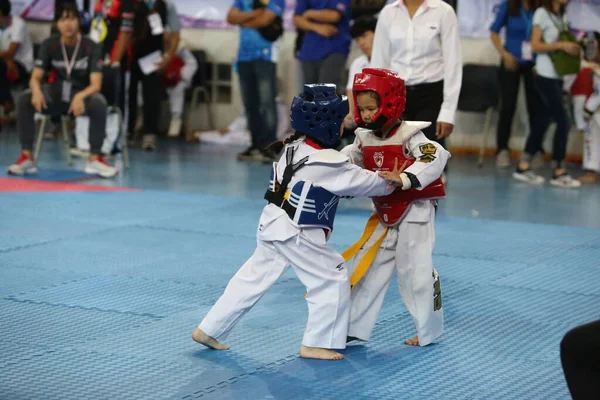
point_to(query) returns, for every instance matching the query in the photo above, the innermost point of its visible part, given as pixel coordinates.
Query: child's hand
(394, 175)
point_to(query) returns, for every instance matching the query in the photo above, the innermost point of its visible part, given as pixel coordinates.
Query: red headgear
(392, 96)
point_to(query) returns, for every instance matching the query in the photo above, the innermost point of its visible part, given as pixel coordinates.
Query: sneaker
(503, 159)
(24, 165)
(100, 167)
(565, 181)
(149, 142)
(250, 154)
(528, 176)
(175, 127)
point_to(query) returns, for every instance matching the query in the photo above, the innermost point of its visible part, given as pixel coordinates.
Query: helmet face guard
(391, 91)
(318, 112)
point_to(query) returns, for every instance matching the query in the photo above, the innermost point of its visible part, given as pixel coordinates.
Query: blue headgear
(318, 112)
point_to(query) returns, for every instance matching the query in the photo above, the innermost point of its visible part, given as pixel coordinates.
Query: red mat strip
(27, 185)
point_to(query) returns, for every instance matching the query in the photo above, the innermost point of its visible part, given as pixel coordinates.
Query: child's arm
(431, 159)
(334, 173)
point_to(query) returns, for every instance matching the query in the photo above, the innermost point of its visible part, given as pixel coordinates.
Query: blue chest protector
(305, 204)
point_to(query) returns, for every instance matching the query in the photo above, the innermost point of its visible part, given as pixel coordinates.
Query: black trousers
(423, 103)
(509, 87)
(153, 92)
(580, 357)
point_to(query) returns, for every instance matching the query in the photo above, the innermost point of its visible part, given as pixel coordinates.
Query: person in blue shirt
(326, 42)
(518, 60)
(257, 70)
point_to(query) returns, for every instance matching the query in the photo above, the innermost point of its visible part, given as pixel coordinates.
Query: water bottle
(590, 46)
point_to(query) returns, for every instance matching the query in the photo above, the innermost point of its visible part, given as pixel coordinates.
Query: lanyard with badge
(154, 19)
(526, 50)
(69, 65)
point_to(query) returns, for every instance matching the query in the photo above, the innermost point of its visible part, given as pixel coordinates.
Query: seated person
(16, 54)
(77, 62)
(178, 77)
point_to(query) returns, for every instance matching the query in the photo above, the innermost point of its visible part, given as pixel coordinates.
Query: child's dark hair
(276, 147)
(5, 8)
(67, 8)
(362, 24)
(373, 94)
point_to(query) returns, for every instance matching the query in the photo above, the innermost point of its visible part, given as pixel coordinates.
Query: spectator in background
(257, 70)
(580, 359)
(111, 27)
(77, 63)
(548, 22)
(154, 19)
(326, 42)
(419, 39)
(16, 54)
(516, 16)
(362, 31)
(178, 77)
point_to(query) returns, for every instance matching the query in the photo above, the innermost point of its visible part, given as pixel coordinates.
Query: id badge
(526, 51)
(66, 92)
(155, 24)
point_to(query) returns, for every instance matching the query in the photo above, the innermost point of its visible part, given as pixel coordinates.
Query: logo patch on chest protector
(378, 158)
(428, 150)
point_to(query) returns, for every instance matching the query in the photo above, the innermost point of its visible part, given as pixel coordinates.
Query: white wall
(221, 47)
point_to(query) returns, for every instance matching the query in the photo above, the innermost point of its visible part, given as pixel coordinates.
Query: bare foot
(413, 341)
(319, 353)
(208, 341)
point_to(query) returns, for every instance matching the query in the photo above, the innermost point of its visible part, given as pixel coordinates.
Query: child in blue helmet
(305, 187)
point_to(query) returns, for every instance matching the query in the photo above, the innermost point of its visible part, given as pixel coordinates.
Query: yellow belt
(367, 260)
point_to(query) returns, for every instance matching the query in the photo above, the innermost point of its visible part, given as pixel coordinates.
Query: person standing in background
(518, 60)
(420, 40)
(548, 23)
(326, 42)
(154, 19)
(111, 27)
(363, 32)
(257, 70)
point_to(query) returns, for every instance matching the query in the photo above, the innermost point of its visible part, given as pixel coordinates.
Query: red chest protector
(584, 83)
(393, 207)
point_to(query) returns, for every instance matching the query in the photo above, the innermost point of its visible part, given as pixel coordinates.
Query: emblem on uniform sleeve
(427, 152)
(378, 158)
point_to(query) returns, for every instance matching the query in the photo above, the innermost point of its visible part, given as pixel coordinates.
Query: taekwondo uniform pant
(591, 146)
(319, 267)
(408, 249)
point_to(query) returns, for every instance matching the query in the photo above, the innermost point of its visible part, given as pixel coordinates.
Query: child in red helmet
(400, 234)
(304, 190)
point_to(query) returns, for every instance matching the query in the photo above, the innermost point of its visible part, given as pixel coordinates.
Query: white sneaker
(175, 127)
(24, 165)
(528, 176)
(100, 167)
(565, 181)
(503, 159)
